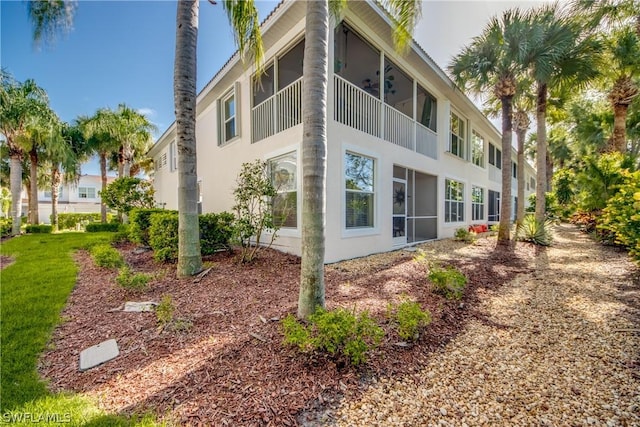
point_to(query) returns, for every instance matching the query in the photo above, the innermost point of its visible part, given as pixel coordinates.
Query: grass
(33, 292)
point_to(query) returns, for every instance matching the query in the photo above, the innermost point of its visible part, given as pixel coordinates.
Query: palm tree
(557, 54)
(243, 17)
(49, 17)
(133, 131)
(404, 15)
(100, 141)
(19, 102)
(492, 62)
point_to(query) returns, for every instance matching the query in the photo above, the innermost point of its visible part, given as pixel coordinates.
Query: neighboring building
(79, 197)
(408, 163)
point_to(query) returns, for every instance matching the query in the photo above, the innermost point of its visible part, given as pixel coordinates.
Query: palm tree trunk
(15, 179)
(504, 232)
(549, 171)
(184, 89)
(55, 185)
(618, 141)
(520, 134)
(103, 178)
(541, 152)
(33, 187)
(314, 142)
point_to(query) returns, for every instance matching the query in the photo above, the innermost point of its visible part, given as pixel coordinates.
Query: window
(264, 87)
(173, 157)
(458, 136)
(228, 118)
(514, 169)
(533, 183)
(495, 156)
(453, 201)
(283, 177)
(359, 187)
(47, 193)
(494, 206)
(290, 66)
(427, 109)
(87, 192)
(477, 203)
(477, 149)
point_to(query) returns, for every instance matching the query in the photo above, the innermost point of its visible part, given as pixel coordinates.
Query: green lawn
(33, 291)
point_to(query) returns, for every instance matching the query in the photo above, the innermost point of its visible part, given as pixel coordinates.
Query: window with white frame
(173, 156)
(229, 124)
(453, 201)
(495, 156)
(458, 136)
(494, 206)
(86, 192)
(284, 205)
(532, 183)
(477, 203)
(47, 193)
(360, 191)
(514, 169)
(477, 149)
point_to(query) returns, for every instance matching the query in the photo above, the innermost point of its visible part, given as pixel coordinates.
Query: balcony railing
(278, 112)
(360, 110)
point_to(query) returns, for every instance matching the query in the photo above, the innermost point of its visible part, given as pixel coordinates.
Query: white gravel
(558, 347)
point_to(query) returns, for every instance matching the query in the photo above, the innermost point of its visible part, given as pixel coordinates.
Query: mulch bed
(230, 367)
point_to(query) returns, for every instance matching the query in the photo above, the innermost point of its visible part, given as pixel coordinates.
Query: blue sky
(123, 51)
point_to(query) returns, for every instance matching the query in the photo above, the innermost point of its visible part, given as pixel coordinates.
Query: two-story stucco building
(409, 157)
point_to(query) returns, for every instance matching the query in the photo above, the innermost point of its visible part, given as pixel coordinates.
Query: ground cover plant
(34, 290)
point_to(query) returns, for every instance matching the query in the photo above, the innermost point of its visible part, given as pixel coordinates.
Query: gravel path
(558, 347)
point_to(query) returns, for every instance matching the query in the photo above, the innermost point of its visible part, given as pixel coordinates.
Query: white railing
(398, 128)
(356, 108)
(426, 141)
(278, 112)
(262, 122)
(360, 110)
(289, 104)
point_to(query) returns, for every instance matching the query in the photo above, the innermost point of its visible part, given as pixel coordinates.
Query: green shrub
(621, 216)
(140, 221)
(534, 231)
(338, 332)
(39, 229)
(122, 235)
(464, 235)
(552, 208)
(447, 281)
(70, 221)
(165, 310)
(96, 227)
(163, 236)
(216, 231)
(134, 282)
(106, 256)
(410, 319)
(5, 227)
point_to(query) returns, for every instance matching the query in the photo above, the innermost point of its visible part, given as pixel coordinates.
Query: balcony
(356, 108)
(278, 112)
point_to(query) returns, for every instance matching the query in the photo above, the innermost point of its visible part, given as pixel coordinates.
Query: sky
(123, 51)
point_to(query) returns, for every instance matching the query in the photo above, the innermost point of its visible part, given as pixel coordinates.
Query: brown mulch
(230, 367)
(5, 261)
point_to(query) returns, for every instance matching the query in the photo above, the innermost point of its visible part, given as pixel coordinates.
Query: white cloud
(148, 112)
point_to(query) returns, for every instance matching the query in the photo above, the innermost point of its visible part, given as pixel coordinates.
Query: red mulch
(216, 373)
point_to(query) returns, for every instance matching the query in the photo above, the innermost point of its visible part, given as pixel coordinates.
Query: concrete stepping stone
(140, 306)
(98, 354)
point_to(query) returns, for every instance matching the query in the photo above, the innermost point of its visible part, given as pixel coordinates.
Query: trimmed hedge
(39, 229)
(163, 236)
(216, 231)
(95, 227)
(69, 221)
(140, 221)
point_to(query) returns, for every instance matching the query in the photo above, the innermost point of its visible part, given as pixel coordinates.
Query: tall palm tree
(100, 141)
(19, 102)
(133, 131)
(404, 15)
(48, 17)
(557, 54)
(492, 62)
(243, 17)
